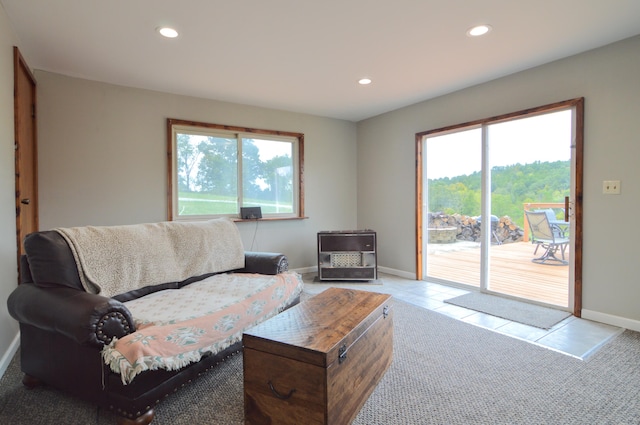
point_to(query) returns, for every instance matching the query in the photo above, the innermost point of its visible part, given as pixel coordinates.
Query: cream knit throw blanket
(113, 260)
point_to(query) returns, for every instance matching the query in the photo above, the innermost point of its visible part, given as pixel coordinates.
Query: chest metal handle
(277, 394)
(342, 354)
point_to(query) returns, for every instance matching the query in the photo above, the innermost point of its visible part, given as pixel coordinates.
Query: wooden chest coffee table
(318, 362)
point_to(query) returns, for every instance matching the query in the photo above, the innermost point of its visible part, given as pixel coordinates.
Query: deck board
(511, 271)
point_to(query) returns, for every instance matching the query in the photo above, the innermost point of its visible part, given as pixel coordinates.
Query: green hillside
(511, 187)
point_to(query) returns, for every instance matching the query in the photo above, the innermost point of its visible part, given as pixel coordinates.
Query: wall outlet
(611, 187)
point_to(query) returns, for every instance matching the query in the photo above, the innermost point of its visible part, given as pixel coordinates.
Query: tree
(188, 157)
(278, 175)
(217, 172)
(511, 187)
(252, 170)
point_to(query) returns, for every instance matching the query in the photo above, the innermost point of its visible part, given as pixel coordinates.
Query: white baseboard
(612, 320)
(387, 270)
(8, 355)
(304, 270)
(399, 273)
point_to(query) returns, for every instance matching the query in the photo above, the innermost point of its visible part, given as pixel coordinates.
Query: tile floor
(573, 336)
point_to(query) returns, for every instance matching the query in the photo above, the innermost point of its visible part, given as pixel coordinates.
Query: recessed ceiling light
(364, 81)
(167, 32)
(478, 30)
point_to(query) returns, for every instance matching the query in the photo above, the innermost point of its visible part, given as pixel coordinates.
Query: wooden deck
(511, 271)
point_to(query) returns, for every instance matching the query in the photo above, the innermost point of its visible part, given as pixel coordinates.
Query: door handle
(25, 201)
(566, 208)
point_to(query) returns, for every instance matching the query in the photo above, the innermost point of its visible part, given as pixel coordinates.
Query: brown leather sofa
(63, 329)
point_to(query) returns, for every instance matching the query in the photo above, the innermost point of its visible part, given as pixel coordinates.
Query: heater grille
(346, 259)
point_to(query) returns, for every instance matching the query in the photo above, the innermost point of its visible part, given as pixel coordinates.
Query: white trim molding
(303, 270)
(610, 319)
(387, 270)
(8, 355)
(399, 273)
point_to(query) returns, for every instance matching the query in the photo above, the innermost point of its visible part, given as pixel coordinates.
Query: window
(217, 169)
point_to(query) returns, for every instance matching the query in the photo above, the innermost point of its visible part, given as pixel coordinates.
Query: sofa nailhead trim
(113, 315)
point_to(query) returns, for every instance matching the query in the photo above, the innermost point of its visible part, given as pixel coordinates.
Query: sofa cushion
(178, 327)
(51, 262)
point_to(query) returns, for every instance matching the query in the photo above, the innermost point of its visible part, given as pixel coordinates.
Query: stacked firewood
(503, 228)
(507, 231)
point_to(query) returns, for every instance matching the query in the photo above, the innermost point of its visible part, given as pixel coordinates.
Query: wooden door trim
(578, 105)
(20, 66)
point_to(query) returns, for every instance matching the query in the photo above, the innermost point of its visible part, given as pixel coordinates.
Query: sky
(267, 149)
(544, 138)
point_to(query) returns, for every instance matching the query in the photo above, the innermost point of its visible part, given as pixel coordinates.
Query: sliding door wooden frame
(578, 143)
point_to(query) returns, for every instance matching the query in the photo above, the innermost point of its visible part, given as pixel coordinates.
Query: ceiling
(307, 56)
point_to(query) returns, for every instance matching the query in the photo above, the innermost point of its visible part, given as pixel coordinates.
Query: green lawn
(206, 204)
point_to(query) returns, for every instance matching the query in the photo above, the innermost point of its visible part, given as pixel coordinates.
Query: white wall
(608, 80)
(102, 160)
(8, 262)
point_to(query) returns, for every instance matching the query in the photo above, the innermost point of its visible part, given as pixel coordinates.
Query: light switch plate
(611, 187)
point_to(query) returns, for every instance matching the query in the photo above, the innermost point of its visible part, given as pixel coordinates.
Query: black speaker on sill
(250, 213)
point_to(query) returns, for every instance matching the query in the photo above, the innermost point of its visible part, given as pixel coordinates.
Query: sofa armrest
(86, 318)
(264, 263)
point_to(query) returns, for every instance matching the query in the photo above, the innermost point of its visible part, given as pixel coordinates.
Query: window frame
(219, 130)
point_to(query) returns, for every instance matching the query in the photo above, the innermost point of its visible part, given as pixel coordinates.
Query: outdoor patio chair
(559, 227)
(543, 235)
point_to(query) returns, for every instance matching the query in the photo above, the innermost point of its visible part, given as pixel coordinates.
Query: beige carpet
(444, 372)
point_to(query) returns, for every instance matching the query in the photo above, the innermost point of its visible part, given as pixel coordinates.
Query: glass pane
(267, 175)
(530, 162)
(207, 175)
(453, 164)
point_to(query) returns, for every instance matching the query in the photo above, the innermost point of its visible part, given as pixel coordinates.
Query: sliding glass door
(477, 181)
